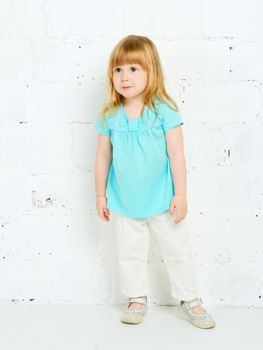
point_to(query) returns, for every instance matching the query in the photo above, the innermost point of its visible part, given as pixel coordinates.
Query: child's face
(131, 76)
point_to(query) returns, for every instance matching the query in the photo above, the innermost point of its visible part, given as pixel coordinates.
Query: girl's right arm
(102, 165)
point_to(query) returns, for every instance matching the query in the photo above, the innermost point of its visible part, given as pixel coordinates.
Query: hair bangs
(129, 55)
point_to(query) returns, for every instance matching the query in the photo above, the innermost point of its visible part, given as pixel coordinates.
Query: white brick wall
(53, 62)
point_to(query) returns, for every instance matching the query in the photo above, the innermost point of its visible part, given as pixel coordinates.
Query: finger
(106, 214)
(102, 215)
(177, 219)
(178, 216)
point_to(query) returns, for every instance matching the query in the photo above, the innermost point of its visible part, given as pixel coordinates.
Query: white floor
(89, 327)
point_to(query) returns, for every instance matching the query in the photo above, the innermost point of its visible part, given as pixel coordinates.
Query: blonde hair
(138, 49)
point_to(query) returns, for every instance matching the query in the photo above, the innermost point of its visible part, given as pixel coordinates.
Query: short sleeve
(170, 117)
(101, 125)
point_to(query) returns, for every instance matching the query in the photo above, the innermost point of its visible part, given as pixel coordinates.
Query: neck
(135, 102)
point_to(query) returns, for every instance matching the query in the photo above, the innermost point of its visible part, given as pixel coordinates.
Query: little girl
(140, 178)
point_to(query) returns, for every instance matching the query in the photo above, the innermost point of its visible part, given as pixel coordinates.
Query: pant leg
(175, 246)
(132, 237)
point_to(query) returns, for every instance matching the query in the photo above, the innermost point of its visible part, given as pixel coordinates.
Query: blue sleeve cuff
(103, 129)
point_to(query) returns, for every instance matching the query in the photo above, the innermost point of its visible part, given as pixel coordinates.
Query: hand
(180, 204)
(103, 211)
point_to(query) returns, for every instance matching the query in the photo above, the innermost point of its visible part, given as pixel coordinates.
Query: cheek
(145, 81)
(115, 81)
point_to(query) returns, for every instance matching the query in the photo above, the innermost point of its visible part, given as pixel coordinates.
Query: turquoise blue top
(140, 182)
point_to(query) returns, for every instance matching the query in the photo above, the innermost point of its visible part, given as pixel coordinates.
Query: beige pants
(132, 237)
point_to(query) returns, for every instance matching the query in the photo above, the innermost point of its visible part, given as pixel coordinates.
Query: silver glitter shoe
(134, 316)
(184, 311)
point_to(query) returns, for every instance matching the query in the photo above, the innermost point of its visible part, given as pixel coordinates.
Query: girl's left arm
(175, 151)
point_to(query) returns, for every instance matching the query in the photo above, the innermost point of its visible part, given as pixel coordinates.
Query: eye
(133, 69)
(117, 69)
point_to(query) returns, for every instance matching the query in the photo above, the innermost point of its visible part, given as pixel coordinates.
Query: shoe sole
(133, 318)
(181, 314)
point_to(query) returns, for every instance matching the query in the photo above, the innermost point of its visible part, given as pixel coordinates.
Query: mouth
(126, 87)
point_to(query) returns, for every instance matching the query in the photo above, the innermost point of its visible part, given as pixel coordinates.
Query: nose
(124, 76)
